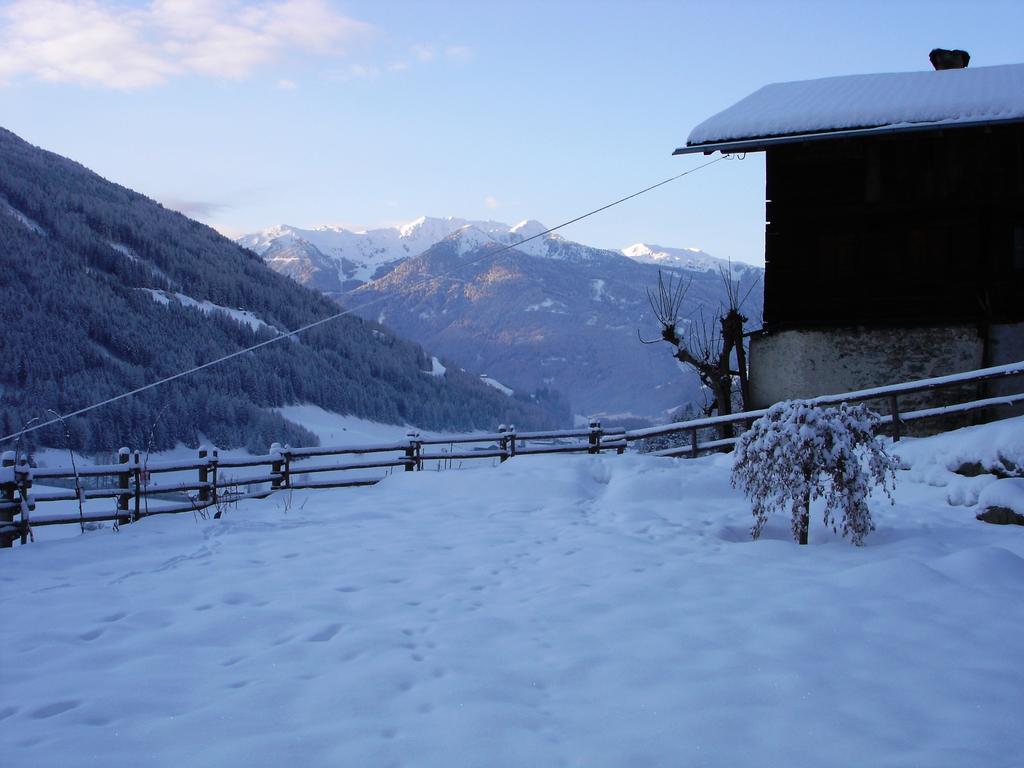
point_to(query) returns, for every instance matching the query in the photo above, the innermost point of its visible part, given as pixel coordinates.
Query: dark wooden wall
(912, 228)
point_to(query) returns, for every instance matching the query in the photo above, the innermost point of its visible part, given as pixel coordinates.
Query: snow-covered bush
(798, 452)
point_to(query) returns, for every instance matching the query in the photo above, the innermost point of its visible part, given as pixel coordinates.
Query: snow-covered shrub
(798, 452)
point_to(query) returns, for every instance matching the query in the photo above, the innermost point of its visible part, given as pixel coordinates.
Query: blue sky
(311, 112)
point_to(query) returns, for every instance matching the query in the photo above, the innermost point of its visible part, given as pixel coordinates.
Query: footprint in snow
(241, 598)
(97, 721)
(54, 709)
(325, 634)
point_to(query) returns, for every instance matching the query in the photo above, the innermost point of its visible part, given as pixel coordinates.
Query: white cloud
(284, 84)
(360, 72)
(92, 43)
(458, 53)
(196, 209)
(427, 53)
(424, 53)
(491, 202)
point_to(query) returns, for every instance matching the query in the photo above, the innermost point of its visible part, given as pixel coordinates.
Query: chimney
(943, 59)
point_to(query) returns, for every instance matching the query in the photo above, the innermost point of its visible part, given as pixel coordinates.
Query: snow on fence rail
(891, 393)
(203, 483)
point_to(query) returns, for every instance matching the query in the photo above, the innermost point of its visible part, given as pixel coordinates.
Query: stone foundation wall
(806, 363)
(1006, 345)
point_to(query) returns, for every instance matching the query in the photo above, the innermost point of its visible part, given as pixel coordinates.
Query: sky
(310, 112)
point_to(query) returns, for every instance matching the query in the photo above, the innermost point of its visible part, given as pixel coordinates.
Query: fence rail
(891, 393)
(208, 486)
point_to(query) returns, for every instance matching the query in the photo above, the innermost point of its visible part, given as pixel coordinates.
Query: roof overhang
(737, 146)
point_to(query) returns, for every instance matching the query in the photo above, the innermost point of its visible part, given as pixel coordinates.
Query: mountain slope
(104, 290)
(563, 316)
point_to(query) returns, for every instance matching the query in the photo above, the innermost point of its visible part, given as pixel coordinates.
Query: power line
(343, 313)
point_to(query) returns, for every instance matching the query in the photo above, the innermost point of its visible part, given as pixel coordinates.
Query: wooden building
(894, 243)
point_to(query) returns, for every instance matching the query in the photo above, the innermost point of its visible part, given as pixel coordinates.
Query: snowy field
(552, 611)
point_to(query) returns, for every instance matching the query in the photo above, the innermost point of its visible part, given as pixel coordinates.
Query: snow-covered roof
(864, 103)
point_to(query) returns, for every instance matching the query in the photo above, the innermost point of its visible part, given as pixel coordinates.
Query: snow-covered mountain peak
(360, 256)
(682, 258)
(477, 234)
(651, 253)
(336, 228)
(436, 229)
(414, 226)
(262, 240)
(470, 238)
(528, 228)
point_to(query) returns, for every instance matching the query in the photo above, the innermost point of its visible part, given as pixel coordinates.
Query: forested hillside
(104, 290)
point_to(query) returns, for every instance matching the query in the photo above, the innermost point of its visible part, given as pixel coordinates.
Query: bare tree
(709, 344)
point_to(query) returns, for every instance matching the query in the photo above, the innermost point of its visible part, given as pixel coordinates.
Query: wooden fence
(895, 420)
(210, 482)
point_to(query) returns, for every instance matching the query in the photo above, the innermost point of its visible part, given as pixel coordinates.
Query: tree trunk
(805, 519)
(723, 399)
(741, 366)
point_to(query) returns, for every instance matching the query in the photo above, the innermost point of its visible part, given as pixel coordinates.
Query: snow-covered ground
(493, 382)
(243, 316)
(550, 611)
(339, 429)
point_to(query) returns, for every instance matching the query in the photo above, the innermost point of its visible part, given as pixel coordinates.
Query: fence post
(23, 476)
(7, 494)
(204, 477)
(138, 486)
(693, 442)
(894, 408)
(595, 436)
(286, 467)
(414, 452)
(410, 451)
(275, 467)
(124, 484)
(503, 443)
(511, 440)
(213, 476)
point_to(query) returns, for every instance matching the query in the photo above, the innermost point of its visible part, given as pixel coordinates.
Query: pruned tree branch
(710, 342)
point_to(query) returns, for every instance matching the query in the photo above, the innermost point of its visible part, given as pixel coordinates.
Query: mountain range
(541, 313)
(103, 290)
